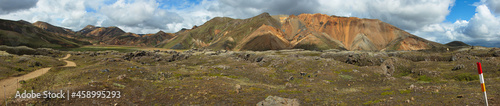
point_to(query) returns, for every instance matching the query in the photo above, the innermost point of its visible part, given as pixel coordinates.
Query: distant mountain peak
(24, 22)
(89, 27)
(456, 43)
(264, 14)
(160, 32)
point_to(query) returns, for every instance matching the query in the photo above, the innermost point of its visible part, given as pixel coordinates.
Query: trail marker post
(481, 79)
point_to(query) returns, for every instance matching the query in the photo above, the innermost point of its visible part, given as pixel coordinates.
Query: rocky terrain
(296, 76)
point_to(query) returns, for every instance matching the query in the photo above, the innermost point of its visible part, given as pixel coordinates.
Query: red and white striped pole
(481, 79)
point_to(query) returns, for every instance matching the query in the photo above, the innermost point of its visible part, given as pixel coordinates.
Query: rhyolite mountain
(22, 33)
(262, 32)
(304, 31)
(108, 35)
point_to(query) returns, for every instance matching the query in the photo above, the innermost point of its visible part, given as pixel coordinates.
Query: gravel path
(9, 86)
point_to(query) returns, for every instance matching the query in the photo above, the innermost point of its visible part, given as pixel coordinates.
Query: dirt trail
(9, 86)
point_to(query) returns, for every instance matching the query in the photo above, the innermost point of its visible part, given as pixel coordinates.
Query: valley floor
(204, 77)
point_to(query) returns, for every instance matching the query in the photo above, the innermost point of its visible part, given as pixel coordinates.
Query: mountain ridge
(22, 33)
(304, 31)
(262, 32)
(107, 35)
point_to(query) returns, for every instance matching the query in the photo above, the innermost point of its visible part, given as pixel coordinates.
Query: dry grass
(211, 80)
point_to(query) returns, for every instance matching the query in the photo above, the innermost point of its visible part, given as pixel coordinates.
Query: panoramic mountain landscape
(116, 54)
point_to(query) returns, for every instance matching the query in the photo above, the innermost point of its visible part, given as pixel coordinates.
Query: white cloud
(66, 13)
(7, 6)
(420, 17)
(145, 14)
(482, 29)
(494, 5)
(444, 32)
(406, 14)
(150, 15)
(484, 23)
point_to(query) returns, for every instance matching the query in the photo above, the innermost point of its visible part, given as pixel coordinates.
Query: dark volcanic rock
(105, 70)
(259, 59)
(138, 54)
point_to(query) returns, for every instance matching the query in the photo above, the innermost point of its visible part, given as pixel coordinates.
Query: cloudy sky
(476, 22)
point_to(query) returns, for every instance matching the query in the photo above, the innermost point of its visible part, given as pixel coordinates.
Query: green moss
(371, 102)
(466, 77)
(346, 77)
(290, 91)
(405, 71)
(289, 71)
(387, 93)
(330, 81)
(198, 78)
(255, 89)
(404, 91)
(232, 76)
(346, 70)
(177, 75)
(424, 78)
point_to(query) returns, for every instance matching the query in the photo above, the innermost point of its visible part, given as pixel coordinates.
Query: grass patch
(346, 77)
(424, 78)
(221, 75)
(405, 71)
(289, 71)
(465, 77)
(101, 48)
(255, 89)
(387, 93)
(290, 91)
(404, 91)
(346, 70)
(371, 102)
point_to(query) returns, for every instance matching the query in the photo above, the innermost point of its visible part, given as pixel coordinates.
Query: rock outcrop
(278, 101)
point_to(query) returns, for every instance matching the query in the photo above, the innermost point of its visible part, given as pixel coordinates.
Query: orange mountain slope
(305, 31)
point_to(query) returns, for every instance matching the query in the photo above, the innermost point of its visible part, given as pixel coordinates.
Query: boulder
(120, 77)
(458, 67)
(238, 88)
(105, 70)
(388, 66)
(453, 58)
(259, 59)
(278, 101)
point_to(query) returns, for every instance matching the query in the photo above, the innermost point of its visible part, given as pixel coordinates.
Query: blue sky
(475, 22)
(462, 10)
